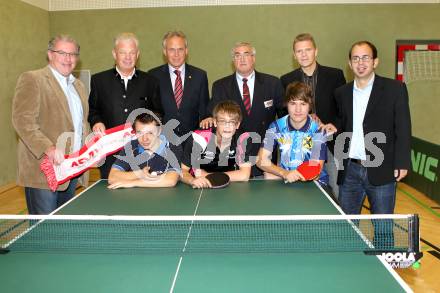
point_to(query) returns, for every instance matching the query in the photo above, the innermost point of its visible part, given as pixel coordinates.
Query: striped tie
(178, 89)
(246, 96)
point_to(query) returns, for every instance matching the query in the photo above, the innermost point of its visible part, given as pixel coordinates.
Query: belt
(356, 161)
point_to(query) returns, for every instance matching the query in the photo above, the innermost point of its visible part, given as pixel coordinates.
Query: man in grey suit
(48, 104)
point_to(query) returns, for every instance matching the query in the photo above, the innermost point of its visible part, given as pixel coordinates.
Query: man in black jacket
(116, 92)
(259, 95)
(183, 88)
(373, 113)
(323, 81)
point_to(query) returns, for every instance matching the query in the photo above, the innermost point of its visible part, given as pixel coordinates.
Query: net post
(413, 233)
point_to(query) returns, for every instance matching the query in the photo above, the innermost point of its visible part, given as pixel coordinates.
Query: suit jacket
(194, 101)
(111, 104)
(388, 113)
(328, 80)
(40, 114)
(267, 100)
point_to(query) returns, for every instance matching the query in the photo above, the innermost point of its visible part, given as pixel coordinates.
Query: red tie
(178, 90)
(246, 96)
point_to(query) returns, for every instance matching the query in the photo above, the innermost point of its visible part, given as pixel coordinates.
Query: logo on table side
(401, 260)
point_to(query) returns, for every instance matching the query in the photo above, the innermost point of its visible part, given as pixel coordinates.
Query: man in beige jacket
(49, 106)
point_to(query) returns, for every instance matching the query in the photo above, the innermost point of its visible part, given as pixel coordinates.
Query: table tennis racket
(218, 179)
(309, 170)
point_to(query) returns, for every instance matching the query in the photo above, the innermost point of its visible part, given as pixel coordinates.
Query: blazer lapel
(258, 92)
(349, 106)
(168, 94)
(187, 86)
(59, 95)
(375, 96)
(321, 80)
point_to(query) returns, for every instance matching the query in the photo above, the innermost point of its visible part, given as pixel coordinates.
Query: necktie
(246, 96)
(178, 89)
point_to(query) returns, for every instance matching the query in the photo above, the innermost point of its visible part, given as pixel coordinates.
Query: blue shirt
(297, 145)
(133, 156)
(360, 103)
(75, 106)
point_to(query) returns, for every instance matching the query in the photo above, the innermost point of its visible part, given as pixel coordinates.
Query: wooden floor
(409, 201)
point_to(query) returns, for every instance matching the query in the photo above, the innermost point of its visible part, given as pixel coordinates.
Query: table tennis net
(208, 234)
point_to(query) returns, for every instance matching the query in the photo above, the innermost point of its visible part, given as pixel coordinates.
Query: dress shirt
(173, 76)
(126, 78)
(250, 84)
(75, 106)
(360, 102)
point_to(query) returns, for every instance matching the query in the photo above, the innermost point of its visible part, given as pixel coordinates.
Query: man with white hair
(116, 92)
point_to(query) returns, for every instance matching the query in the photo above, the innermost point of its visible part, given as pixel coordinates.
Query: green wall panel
(212, 31)
(24, 32)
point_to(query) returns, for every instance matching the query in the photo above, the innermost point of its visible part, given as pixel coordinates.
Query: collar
(118, 73)
(181, 69)
(315, 72)
(305, 127)
(70, 79)
(240, 77)
(369, 84)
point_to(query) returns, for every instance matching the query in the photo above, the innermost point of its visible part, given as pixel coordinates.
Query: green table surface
(199, 272)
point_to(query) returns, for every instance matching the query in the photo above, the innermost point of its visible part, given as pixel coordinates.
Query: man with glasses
(183, 87)
(49, 112)
(220, 149)
(116, 92)
(373, 113)
(259, 95)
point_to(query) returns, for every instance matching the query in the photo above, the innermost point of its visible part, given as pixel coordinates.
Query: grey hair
(171, 34)
(126, 37)
(243, 44)
(62, 38)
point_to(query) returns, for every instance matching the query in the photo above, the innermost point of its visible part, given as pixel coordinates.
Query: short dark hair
(147, 118)
(228, 107)
(299, 91)
(304, 37)
(360, 43)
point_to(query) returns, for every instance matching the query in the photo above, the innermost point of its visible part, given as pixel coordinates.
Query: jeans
(44, 201)
(382, 200)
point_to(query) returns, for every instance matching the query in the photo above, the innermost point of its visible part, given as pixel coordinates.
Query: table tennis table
(204, 272)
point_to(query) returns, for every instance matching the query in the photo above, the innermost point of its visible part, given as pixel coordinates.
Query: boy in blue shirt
(297, 137)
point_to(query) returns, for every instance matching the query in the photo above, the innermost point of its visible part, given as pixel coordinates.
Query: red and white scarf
(87, 157)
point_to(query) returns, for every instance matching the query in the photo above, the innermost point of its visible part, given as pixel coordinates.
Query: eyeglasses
(365, 58)
(65, 54)
(238, 56)
(222, 122)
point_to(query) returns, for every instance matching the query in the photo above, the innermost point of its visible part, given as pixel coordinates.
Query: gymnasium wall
(212, 31)
(24, 32)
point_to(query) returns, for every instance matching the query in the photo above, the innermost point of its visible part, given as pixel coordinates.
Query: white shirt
(75, 106)
(360, 102)
(250, 83)
(173, 76)
(126, 78)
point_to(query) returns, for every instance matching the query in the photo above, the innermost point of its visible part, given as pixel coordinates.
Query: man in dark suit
(259, 95)
(373, 113)
(183, 88)
(116, 92)
(323, 81)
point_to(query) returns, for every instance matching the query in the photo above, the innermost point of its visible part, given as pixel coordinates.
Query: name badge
(268, 103)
